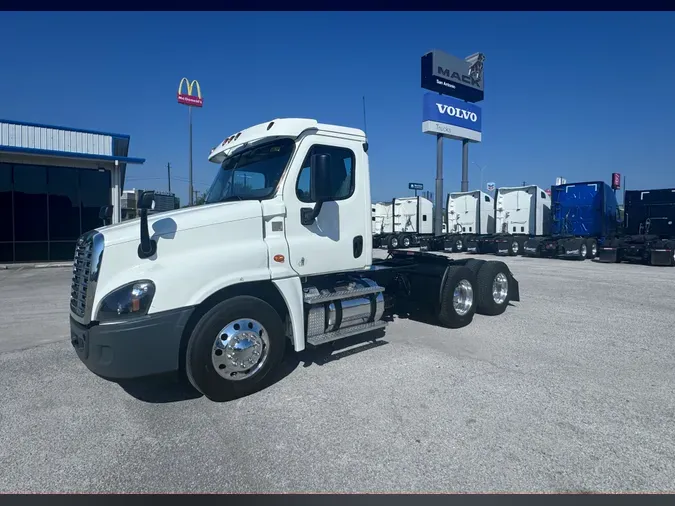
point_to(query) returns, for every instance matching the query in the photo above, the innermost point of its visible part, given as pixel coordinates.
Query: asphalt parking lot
(570, 390)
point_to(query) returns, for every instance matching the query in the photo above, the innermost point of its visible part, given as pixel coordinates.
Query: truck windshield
(252, 174)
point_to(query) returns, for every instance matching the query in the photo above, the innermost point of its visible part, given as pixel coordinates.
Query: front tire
(234, 347)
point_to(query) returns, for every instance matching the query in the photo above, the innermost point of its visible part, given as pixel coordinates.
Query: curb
(35, 266)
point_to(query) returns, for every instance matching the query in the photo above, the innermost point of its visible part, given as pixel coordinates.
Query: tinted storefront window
(64, 211)
(43, 210)
(95, 192)
(30, 213)
(6, 210)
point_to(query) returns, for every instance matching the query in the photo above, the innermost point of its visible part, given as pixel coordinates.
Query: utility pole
(168, 169)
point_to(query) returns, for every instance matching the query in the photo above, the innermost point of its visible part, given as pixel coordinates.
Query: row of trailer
(575, 221)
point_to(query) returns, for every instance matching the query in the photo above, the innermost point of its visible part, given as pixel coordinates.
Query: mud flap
(608, 255)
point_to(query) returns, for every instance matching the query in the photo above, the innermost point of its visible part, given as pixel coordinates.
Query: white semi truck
(521, 213)
(280, 255)
(408, 222)
(382, 218)
(469, 215)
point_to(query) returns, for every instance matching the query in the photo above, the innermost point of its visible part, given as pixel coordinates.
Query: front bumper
(141, 347)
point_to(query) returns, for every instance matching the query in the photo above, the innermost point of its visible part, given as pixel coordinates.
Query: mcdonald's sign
(188, 98)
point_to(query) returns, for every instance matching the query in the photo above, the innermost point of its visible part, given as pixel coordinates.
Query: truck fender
(291, 291)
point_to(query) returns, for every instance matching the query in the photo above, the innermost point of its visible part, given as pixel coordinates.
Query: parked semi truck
(409, 222)
(381, 216)
(648, 231)
(470, 215)
(583, 215)
(279, 255)
(521, 212)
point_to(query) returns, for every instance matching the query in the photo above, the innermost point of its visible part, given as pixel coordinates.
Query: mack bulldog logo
(476, 68)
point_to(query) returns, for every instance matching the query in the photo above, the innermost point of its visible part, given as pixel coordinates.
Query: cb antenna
(365, 127)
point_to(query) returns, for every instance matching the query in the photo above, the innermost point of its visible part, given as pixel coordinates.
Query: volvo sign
(449, 75)
(451, 118)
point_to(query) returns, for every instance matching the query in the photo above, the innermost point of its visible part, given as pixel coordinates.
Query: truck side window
(424, 217)
(342, 172)
(543, 195)
(487, 199)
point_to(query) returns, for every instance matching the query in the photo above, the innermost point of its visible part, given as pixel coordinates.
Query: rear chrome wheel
(462, 298)
(500, 288)
(493, 288)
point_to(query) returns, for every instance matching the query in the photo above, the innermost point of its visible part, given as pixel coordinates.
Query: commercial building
(164, 201)
(53, 182)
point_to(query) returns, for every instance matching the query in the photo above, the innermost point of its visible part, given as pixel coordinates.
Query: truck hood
(170, 223)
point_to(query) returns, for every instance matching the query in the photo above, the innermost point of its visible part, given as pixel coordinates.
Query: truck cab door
(340, 237)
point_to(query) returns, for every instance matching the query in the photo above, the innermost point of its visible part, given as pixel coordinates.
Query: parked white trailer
(521, 212)
(469, 214)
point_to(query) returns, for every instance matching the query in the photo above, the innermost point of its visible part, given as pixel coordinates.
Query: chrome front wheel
(240, 349)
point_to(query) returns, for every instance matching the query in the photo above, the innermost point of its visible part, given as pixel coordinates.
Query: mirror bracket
(308, 215)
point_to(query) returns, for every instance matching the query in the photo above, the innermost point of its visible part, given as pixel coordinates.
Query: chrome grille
(81, 275)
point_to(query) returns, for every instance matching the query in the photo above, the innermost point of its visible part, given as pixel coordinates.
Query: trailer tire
(458, 245)
(515, 247)
(458, 297)
(392, 242)
(205, 347)
(592, 251)
(583, 250)
(493, 288)
(405, 241)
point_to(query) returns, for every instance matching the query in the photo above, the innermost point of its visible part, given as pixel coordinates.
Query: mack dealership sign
(451, 118)
(449, 75)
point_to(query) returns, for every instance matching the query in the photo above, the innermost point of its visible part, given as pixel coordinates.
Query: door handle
(358, 246)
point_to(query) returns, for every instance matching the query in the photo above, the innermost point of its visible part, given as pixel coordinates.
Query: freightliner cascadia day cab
(469, 215)
(584, 216)
(648, 232)
(521, 212)
(280, 255)
(411, 221)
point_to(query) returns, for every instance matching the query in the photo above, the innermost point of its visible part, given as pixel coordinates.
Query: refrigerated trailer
(469, 215)
(648, 231)
(521, 212)
(583, 215)
(410, 223)
(219, 291)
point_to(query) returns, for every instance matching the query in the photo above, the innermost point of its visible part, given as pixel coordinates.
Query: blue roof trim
(69, 154)
(56, 127)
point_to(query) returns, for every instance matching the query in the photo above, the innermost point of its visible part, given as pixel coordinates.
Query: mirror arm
(147, 248)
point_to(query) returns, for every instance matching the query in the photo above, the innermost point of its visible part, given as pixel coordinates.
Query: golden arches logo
(188, 98)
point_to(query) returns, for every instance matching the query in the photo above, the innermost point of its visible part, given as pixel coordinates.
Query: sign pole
(465, 165)
(438, 212)
(190, 166)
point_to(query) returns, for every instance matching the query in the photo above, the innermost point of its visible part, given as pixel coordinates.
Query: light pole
(481, 174)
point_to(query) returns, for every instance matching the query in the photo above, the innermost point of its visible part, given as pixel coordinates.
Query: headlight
(128, 301)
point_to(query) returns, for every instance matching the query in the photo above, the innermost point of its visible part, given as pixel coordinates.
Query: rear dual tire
(479, 286)
(493, 291)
